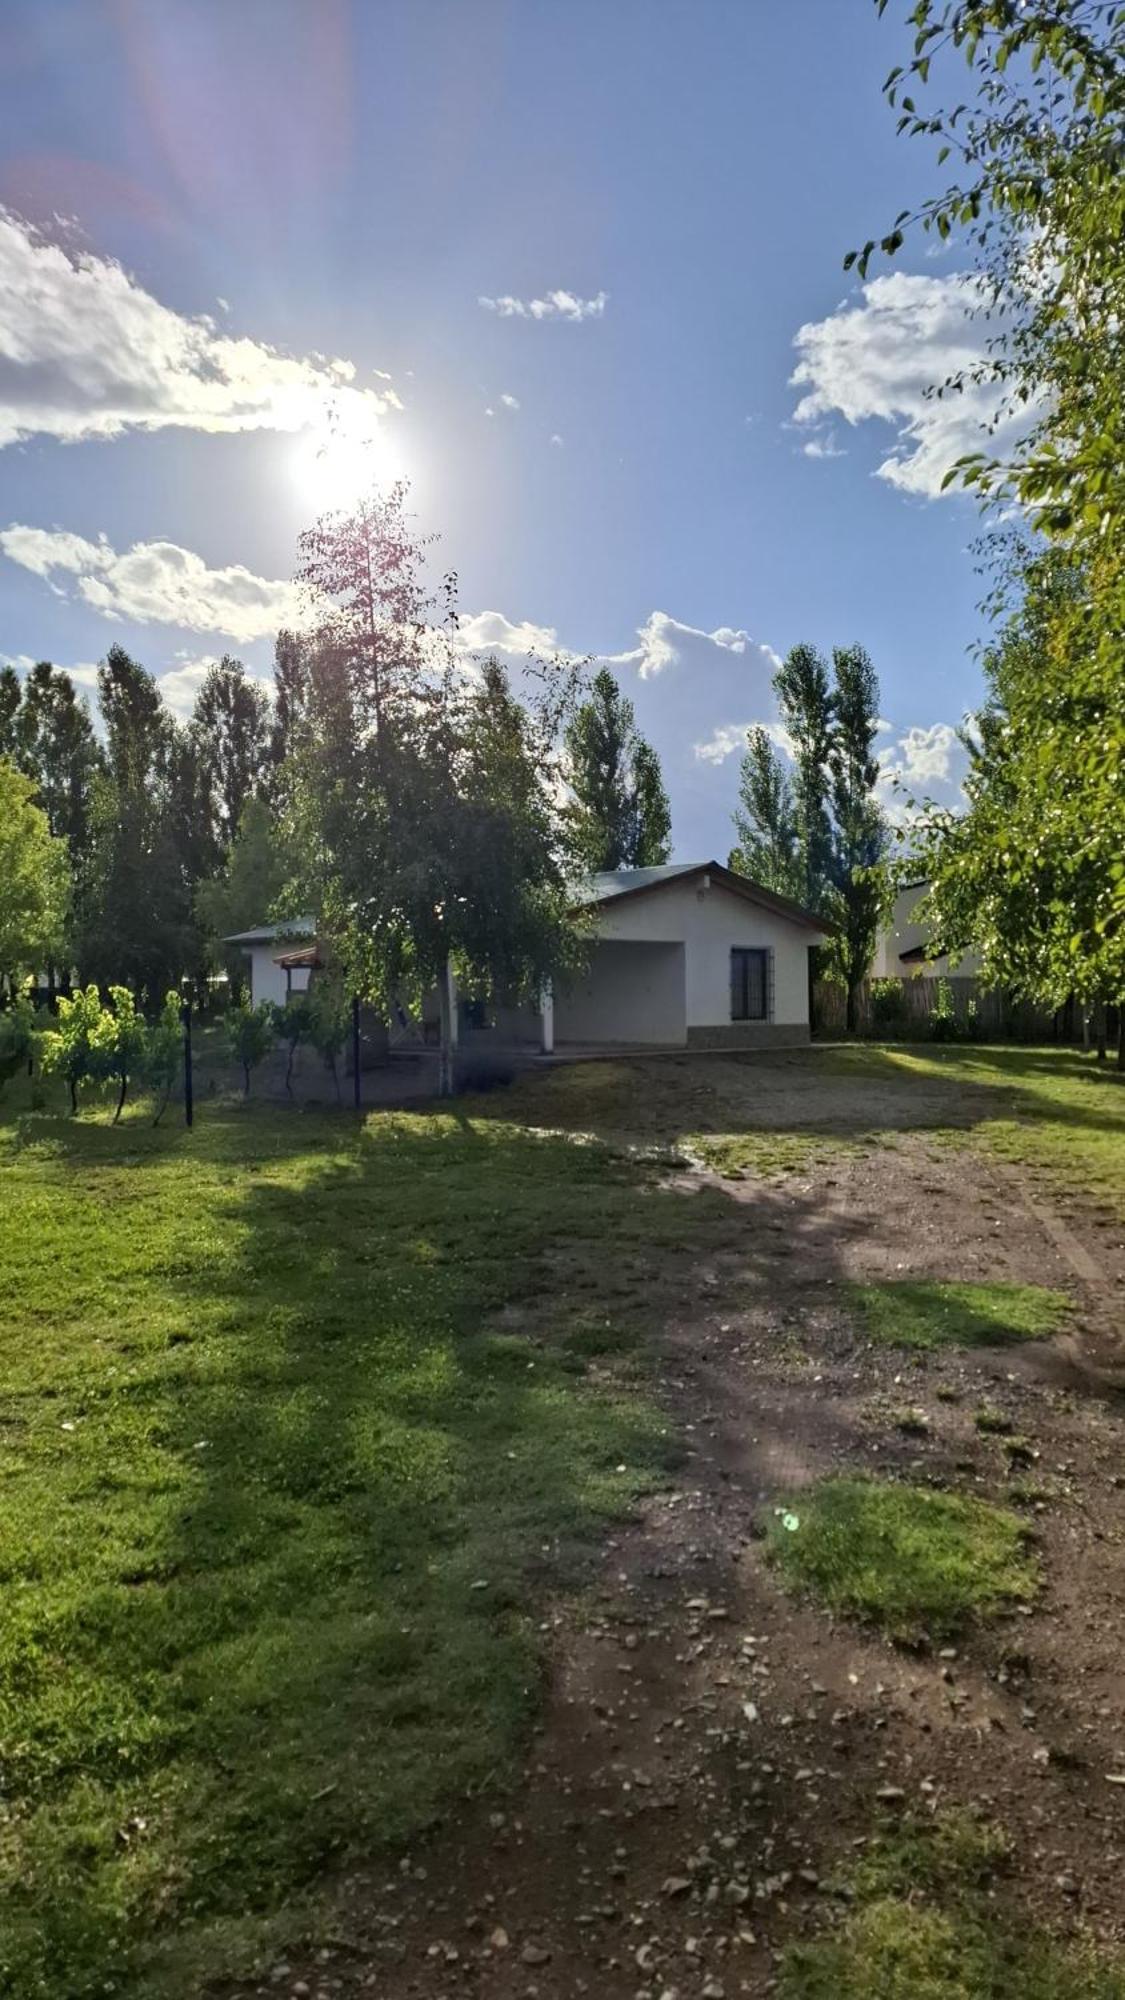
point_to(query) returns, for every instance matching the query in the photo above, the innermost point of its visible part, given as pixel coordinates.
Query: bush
(71, 1049)
(163, 1053)
(944, 1024)
(888, 1003)
(249, 1033)
(330, 1022)
(17, 1038)
(292, 1024)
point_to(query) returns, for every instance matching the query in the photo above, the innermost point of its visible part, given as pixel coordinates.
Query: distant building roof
(269, 933)
(606, 888)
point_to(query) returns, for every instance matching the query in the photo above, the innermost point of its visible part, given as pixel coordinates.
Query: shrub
(73, 1048)
(120, 1043)
(944, 1024)
(330, 1019)
(292, 1024)
(888, 1003)
(17, 1037)
(249, 1033)
(163, 1053)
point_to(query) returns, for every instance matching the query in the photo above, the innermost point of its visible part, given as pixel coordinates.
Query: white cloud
(925, 761)
(492, 632)
(880, 359)
(86, 352)
(730, 738)
(555, 439)
(824, 446)
(157, 583)
(553, 305)
(666, 642)
(510, 402)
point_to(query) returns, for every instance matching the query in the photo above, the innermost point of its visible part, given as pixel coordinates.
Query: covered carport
(629, 992)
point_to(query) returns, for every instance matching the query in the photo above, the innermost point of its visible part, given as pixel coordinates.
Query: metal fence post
(189, 1095)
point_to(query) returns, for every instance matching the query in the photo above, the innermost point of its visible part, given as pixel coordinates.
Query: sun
(333, 466)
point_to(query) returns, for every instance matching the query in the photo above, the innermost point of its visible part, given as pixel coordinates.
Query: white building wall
(710, 923)
(905, 933)
(629, 992)
(267, 980)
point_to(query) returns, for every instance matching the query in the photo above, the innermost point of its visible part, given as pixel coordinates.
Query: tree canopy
(34, 879)
(1032, 876)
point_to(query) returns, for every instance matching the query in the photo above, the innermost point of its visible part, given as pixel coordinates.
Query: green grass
(924, 1924)
(916, 1563)
(910, 1312)
(298, 1421)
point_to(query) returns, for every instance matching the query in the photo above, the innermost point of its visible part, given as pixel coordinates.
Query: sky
(573, 268)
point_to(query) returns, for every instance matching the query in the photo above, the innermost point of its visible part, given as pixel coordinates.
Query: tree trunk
(120, 1099)
(851, 1009)
(1099, 1029)
(246, 1079)
(1121, 1034)
(289, 1070)
(447, 1033)
(73, 1088)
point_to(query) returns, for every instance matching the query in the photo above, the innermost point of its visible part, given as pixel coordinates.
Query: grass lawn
(923, 1924)
(918, 1564)
(299, 1420)
(908, 1312)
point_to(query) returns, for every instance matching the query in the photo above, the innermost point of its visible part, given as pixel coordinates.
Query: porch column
(449, 1002)
(447, 1005)
(547, 1019)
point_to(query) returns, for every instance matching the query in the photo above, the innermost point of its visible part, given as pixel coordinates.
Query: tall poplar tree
(619, 815)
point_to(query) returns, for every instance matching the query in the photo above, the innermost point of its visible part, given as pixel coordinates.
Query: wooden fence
(994, 1015)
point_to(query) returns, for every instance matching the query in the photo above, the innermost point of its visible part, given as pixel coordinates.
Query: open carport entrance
(628, 993)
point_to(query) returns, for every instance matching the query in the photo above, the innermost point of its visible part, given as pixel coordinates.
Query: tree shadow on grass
(336, 1416)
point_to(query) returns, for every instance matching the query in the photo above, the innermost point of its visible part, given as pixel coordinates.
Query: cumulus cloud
(730, 738)
(667, 642)
(492, 632)
(86, 352)
(881, 358)
(553, 305)
(155, 583)
(510, 402)
(925, 761)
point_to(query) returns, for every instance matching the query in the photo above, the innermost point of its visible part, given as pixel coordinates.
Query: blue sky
(208, 207)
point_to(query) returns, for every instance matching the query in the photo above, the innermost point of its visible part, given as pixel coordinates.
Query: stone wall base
(751, 1035)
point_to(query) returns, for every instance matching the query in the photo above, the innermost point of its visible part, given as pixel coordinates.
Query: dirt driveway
(713, 1750)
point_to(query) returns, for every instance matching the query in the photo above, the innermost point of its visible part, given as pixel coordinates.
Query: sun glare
(333, 468)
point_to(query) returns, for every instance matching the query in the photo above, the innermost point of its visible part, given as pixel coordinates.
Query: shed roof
(269, 933)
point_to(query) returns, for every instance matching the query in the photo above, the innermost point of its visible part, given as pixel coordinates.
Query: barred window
(749, 985)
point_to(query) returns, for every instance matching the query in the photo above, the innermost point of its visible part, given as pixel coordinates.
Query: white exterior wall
(904, 933)
(710, 923)
(628, 993)
(267, 980)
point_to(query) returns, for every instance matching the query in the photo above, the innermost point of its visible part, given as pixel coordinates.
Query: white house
(685, 956)
(903, 947)
(267, 947)
(692, 956)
